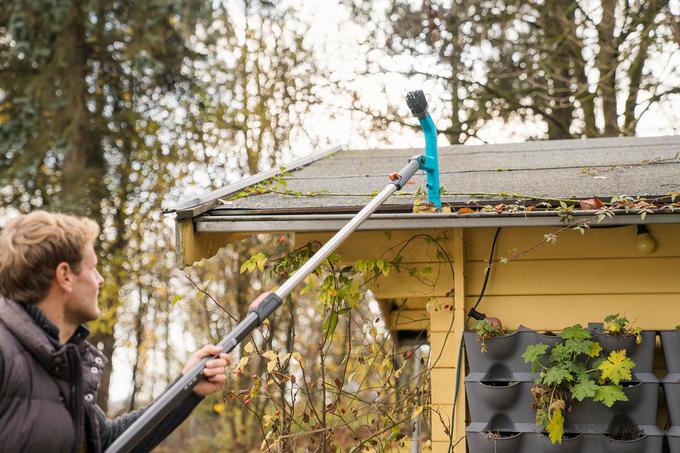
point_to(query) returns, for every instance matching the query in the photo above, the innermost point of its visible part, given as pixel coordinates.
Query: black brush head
(417, 103)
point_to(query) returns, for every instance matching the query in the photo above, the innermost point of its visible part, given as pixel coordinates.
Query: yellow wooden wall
(579, 279)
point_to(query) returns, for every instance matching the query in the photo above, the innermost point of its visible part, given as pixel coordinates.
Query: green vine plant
(618, 324)
(573, 371)
(343, 387)
(487, 330)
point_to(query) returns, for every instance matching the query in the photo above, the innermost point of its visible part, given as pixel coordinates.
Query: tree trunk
(637, 65)
(607, 65)
(74, 170)
(139, 342)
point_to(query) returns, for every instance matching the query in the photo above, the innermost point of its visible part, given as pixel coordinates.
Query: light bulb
(644, 242)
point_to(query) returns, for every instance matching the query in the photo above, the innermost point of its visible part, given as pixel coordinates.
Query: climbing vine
(348, 387)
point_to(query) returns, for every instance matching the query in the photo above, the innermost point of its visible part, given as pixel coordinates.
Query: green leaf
(575, 332)
(555, 427)
(617, 367)
(559, 353)
(425, 271)
(609, 394)
(534, 352)
(577, 347)
(556, 375)
(260, 259)
(247, 265)
(329, 324)
(584, 389)
(595, 349)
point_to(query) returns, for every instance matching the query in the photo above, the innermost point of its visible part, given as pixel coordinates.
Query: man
(48, 372)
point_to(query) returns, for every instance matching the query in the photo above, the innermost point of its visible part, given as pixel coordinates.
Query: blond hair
(33, 245)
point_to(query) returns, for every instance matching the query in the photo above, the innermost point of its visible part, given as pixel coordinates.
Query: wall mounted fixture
(645, 242)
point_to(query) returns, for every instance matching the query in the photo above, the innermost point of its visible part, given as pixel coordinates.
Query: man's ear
(63, 277)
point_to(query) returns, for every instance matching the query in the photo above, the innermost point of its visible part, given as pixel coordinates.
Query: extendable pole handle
(260, 310)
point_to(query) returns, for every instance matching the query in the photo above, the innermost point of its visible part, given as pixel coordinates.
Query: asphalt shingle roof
(602, 167)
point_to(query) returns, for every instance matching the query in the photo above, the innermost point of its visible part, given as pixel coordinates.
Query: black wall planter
(502, 360)
(642, 354)
(670, 343)
(671, 389)
(641, 409)
(673, 436)
(498, 389)
(506, 407)
(501, 407)
(485, 442)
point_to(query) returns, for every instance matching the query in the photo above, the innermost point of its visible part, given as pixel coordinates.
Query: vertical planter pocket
(500, 406)
(533, 442)
(644, 444)
(673, 437)
(502, 360)
(671, 389)
(576, 443)
(640, 409)
(670, 343)
(642, 354)
(492, 442)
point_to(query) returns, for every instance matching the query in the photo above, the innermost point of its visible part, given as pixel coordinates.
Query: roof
(334, 184)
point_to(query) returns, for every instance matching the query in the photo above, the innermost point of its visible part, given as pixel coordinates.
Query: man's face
(81, 305)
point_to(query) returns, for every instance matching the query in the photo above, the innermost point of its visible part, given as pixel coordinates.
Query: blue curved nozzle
(430, 163)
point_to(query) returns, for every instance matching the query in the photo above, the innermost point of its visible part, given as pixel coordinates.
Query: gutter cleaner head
(418, 104)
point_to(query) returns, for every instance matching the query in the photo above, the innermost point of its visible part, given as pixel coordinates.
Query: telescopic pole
(183, 387)
(257, 313)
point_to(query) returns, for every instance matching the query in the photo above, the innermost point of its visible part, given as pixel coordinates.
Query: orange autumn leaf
(592, 204)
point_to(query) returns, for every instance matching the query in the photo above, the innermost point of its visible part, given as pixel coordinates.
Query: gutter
(403, 221)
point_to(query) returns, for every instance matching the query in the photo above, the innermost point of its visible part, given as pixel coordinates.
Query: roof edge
(195, 206)
(397, 221)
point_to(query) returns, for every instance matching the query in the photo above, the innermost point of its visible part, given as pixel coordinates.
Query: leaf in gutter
(592, 204)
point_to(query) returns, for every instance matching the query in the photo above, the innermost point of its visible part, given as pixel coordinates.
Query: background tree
(578, 68)
(106, 106)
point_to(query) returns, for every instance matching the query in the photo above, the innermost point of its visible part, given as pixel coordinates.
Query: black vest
(48, 391)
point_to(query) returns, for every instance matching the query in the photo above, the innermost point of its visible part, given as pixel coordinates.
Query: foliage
(486, 330)
(574, 370)
(618, 324)
(529, 62)
(342, 376)
(107, 107)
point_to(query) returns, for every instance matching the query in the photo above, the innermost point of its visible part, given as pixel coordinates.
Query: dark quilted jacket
(48, 391)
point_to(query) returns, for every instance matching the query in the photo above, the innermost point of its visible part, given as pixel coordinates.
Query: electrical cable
(473, 313)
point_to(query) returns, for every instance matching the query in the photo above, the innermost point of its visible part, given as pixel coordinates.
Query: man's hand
(215, 370)
(253, 305)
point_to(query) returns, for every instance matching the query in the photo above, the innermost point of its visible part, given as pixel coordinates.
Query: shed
(526, 189)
